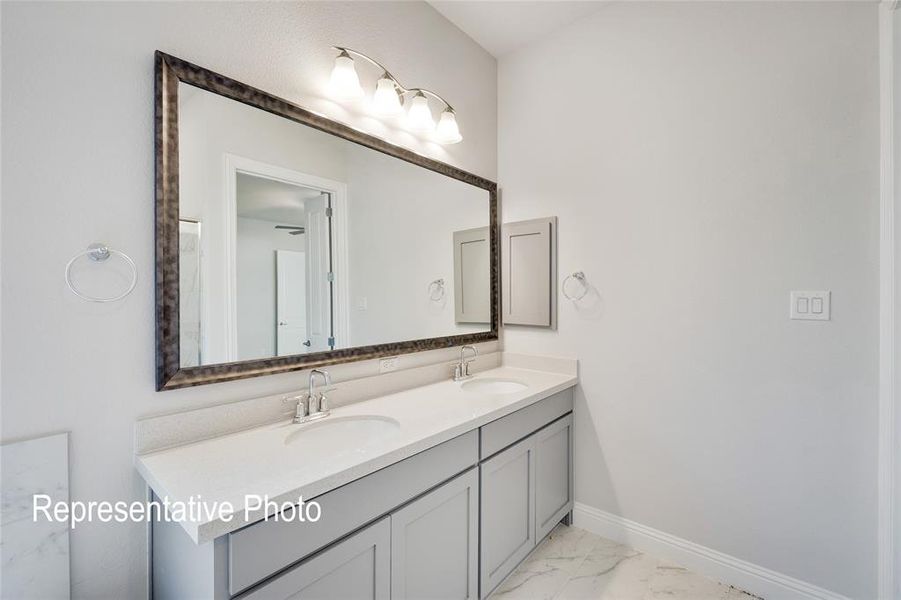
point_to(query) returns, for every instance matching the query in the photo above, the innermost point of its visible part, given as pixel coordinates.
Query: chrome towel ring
(436, 290)
(100, 253)
(578, 277)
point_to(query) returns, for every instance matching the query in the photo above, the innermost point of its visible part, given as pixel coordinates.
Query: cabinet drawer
(499, 434)
(266, 547)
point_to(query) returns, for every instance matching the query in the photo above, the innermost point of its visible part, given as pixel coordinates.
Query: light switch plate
(386, 365)
(810, 305)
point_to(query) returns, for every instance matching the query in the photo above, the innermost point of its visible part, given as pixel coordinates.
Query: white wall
(256, 303)
(704, 159)
(401, 224)
(77, 130)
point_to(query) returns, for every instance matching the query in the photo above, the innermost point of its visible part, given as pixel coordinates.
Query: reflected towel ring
(436, 290)
(580, 277)
(100, 253)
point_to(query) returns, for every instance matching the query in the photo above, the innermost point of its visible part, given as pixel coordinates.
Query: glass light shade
(420, 116)
(386, 100)
(345, 84)
(448, 132)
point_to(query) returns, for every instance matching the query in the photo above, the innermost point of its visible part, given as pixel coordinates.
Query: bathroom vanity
(293, 258)
(438, 492)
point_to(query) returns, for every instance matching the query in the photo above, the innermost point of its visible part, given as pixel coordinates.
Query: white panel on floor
(34, 554)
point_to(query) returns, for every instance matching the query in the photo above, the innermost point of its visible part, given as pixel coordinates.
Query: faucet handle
(302, 409)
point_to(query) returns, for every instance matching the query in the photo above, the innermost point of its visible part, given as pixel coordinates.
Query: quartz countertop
(258, 462)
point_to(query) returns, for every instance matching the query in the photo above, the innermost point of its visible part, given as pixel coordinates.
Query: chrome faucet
(313, 406)
(461, 371)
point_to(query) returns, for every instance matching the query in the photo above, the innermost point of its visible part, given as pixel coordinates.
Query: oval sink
(491, 385)
(334, 435)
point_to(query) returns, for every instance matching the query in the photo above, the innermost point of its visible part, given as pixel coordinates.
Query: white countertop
(258, 461)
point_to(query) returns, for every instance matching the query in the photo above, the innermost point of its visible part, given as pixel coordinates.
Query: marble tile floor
(573, 564)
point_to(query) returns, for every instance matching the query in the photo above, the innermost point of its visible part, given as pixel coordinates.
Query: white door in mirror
(319, 289)
(810, 305)
(291, 302)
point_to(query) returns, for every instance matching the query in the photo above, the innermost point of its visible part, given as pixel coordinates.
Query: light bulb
(386, 100)
(345, 84)
(448, 132)
(420, 116)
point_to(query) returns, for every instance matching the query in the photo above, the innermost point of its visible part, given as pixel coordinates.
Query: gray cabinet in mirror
(288, 241)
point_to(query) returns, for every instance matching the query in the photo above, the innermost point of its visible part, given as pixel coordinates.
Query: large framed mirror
(288, 241)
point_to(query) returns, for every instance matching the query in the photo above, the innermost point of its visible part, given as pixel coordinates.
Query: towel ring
(436, 290)
(580, 277)
(100, 253)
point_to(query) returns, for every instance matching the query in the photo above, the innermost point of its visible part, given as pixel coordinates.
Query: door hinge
(331, 342)
(328, 211)
(330, 276)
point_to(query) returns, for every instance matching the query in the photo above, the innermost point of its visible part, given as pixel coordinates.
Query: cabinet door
(508, 512)
(528, 272)
(472, 275)
(434, 543)
(358, 567)
(553, 475)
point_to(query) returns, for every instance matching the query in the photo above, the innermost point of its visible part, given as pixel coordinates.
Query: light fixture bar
(402, 88)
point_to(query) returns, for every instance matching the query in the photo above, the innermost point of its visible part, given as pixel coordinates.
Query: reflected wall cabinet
(472, 285)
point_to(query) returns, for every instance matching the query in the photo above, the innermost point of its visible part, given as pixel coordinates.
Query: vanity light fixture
(345, 84)
(389, 97)
(420, 116)
(448, 132)
(388, 100)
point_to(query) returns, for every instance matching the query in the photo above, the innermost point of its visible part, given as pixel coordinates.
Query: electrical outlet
(810, 306)
(386, 365)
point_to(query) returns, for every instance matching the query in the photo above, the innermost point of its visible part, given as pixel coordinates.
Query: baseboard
(706, 561)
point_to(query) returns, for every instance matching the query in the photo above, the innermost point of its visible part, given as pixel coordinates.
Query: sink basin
(339, 435)
(492, 385)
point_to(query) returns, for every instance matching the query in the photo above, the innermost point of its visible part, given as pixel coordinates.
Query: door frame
(233, 165)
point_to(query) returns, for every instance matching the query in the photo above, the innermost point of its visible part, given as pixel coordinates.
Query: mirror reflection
(295, 241)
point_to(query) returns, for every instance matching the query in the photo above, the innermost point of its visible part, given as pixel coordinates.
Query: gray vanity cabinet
(450, 522)
(527, 488)
(508, 512)
(553, 475)
(357, 567)
(435, 543)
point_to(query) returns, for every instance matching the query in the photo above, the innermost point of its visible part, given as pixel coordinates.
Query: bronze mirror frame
(169, 372)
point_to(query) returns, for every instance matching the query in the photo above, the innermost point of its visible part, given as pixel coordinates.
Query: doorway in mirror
(283, 272)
